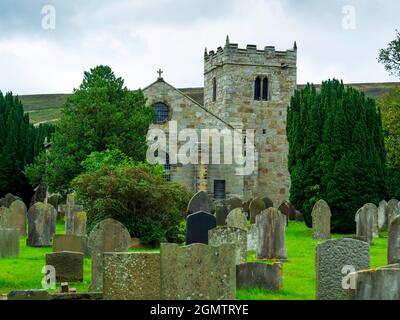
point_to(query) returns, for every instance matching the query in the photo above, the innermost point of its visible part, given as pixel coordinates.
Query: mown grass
(24, 272)
(44, 116)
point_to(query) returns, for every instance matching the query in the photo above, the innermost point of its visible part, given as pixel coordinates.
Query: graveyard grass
(24, 272)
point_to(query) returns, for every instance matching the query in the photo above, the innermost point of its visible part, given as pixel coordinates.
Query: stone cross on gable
(160, 72)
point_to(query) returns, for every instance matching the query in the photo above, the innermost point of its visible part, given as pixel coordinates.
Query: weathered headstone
(107, 236)
(382, 216)
(392, 211)
(238, 237)
(268, 203)
(14, 217)
(321, 221)
(234, 203)
(367, 222)
(200, 202)
(71, 212)
(256, 207)
(394, 241)
(197, 226)
(68, 265)
(42, 220)
(198, 272)
(299, 216)
(332, 257)
(9, 243)
(221, 212)
(8, 200)
(376, 284)
(131, 276)
(271, 242)
(70, 243)
(259, 275)
(286, 209)
(80, 219)
(40, 194)
(237, 219)
(252, 238)
(246, 207)
(54, 200)
(20, 295)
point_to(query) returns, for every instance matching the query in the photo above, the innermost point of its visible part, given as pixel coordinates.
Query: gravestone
(54, 200)
(321, 221)
(237, 219)
(197, 226)
(131, 276)
(268, 203)
(382, 216)
(14, 217)
(9, 243)
(22, 295)
(286, 209)
(68, 265)
(252, 238)
(107, 236)
(331, 257)
(246, 207)
(299, 216)
(71, 210)
(377, 284)
(256, 207)
(367, 222)
(40, 194)
(42, 220)
(238, 237)
(80, 219)
(200, 202)
(271, 243)
(8, 200)
(221, 212)
(234, 203)
(259, 276)
(392, 210)
(394, 242)
(198, 272)
(70, 243)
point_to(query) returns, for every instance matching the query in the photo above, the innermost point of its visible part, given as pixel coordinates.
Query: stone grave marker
(256, 207)
(9, 243)
(382, 216)
(392, 210)
(41, 225)
(367, 222)
(238, 237)
(69, 242)
(394, 242)
(237, 219)
(321, 221)
(68, 265)
(286, 209)
(252, 238)
(268, 202)
(234, 203)
(8, 200)
(221, 212)
(259, 275)
(200, 202)
(197, 226)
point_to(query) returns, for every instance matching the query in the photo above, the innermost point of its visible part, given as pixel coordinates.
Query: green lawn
(24, 272)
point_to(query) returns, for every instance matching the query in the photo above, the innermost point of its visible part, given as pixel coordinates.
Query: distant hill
(47, 107)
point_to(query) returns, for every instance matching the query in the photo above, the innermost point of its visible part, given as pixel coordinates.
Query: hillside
(47, 107)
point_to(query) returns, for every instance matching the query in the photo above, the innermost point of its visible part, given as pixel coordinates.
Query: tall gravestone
(200, 202)
(286, 210)
(9, 243)
(221, 212)
(382, 216)
(367, 222)
(198, 272)
(238, 237)
(271, 242)
(71, 210)
(332, 257)
(256, 207)
(14, 217)
(107, 236)
(252, 238)
(237, 219)
(131, 276)
(392, 210)
(394, 241)
(321, 221)
(197, 226)
(8, 200)
(80, 219)
(42, 220)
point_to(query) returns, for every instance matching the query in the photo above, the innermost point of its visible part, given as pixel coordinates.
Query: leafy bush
(136, 195)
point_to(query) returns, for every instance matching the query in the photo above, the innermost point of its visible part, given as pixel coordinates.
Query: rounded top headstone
(321, 207)
(237, 219)
(268, 202)
(200, 202)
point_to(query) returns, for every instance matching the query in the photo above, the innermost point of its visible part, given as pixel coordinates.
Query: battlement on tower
(232, 54)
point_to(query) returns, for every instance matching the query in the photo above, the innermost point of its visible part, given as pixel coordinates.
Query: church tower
(251, 89)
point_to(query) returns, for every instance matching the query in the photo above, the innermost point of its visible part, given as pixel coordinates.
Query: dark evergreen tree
(336, 152)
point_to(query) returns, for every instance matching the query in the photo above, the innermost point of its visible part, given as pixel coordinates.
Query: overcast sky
(136, 37)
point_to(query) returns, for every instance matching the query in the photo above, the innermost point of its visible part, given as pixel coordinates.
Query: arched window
(265, 91)
(161, 112)
(214, 89)
(257, 89)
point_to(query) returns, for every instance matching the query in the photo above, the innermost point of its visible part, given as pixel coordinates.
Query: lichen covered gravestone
(14, 217)
(331, 257)
(68, 265)
(367, 222)
(221, 212)
(252, 238)
(198, 272)
(256, 207)
(234, 203)
(238, 237)
(197, 226)
(382, 216)
(68, 242)
(80, 219)
(237, 219)
(41, 225)
(394, 241)
(271, 243)
(268, 202)
(392, 210)
(8, 200)
(321, 221)
(9, 243)
(288, 211)
(259, 275)
(200, 202)
(131, 276)
(107, 236)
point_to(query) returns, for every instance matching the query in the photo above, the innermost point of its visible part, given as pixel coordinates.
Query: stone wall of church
(235, 71)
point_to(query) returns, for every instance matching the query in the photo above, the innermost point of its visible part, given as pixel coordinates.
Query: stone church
(243, 89)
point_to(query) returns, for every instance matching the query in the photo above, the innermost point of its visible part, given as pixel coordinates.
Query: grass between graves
(24, 272)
